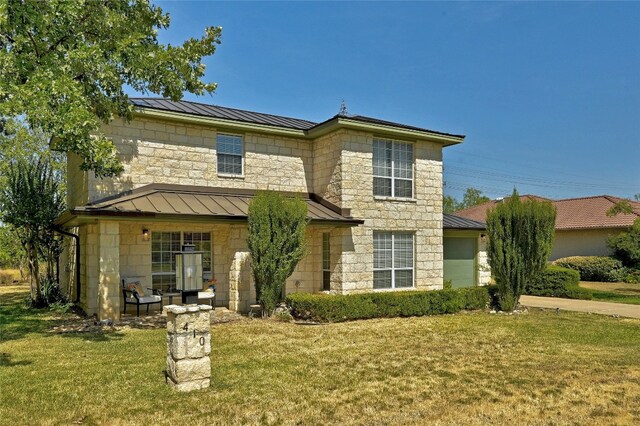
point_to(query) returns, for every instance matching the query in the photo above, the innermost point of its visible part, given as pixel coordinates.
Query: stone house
(373, 190)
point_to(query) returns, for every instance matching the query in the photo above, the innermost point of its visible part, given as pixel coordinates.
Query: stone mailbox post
(188, 346)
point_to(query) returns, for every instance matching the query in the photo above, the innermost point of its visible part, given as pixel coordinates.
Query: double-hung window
(163, 258)
(392, 169)
(230, 151)
(392, 260)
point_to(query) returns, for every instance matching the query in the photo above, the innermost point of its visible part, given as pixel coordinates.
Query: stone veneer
(336, 166)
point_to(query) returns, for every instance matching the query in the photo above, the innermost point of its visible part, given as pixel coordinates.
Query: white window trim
(242, 158)
(392, 177)
(393, 262)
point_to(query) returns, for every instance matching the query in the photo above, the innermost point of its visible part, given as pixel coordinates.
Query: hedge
(337, 308)
(595, 268)
(556, 281)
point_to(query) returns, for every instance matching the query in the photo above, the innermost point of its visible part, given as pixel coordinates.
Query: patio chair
(135, 295)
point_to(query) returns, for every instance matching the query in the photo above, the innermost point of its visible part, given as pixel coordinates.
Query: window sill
(396, 199)
(230, 176)
(385, 290)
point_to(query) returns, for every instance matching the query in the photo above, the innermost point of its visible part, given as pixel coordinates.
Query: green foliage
(447, 285)
(520, 241)
(276, 240)
(471, 197)
(556, 281)
(337, 308)
(621, 207)
(626, 246)
(594, 268)
(30, 202)
(12, 253)
(63, 66)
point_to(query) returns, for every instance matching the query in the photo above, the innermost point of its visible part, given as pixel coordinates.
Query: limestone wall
(421, 215)
(153, 151)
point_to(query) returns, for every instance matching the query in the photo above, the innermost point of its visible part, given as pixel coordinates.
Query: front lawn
(476, 368)
(614, 292)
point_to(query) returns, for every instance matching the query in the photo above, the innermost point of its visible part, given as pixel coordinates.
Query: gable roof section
(572, 213)
(451, 221)
(199, 203)
(305, 127)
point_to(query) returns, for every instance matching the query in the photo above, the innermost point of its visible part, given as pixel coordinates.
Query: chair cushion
(150, 299)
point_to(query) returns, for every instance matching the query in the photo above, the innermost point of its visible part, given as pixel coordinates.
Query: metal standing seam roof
(455, 222)
(233, 114)
(213, 203)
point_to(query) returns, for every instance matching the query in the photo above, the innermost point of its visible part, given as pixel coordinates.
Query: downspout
(77, 238)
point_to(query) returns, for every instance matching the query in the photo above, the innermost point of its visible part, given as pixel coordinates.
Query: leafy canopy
(63, 66)
(520, 240)
(277, 243)
(471, 197)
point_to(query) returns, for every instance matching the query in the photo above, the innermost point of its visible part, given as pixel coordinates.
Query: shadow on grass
(17, 318)
(5, 361)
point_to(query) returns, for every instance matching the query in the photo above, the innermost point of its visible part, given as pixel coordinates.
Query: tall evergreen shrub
(520, 241)
(276, 242)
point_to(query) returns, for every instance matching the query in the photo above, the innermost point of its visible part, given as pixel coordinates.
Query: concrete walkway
(604, 308)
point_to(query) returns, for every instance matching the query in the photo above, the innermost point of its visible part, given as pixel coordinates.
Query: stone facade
(336, 166)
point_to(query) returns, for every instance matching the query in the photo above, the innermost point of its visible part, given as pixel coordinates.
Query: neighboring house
(373, 190)
(582, 224)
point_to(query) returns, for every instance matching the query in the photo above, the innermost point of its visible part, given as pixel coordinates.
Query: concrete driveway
(604, 308)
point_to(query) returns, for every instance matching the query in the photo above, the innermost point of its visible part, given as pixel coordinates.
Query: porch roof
(163, 201)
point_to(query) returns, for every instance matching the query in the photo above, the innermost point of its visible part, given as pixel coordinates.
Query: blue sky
(548, 94)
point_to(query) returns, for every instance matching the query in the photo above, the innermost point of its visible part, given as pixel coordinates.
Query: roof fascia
(319, 130)
(381, 129)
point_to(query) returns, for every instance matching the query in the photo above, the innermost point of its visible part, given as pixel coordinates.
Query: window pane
(227, 144)
(326, 280)
(382, 187)
(230, 164)
(382, 253)
(403, 188)
(382, 158)
(404, 279)
(381, 279)
(403, 160)
(326, 251)
(403, 251)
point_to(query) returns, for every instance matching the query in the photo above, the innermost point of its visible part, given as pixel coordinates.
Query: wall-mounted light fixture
(145, 234)
(483, 238)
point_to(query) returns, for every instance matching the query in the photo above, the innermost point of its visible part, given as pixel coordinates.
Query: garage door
(459, 261)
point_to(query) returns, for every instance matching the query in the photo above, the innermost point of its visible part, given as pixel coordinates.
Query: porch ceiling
(225, 204)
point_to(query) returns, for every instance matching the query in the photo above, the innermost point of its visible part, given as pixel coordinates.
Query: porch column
(109, 270)
(239, 282)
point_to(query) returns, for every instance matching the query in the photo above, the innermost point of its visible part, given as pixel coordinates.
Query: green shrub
(595, 268)
(447, 285)
(626, 246)
(336, 308)
(556, 281)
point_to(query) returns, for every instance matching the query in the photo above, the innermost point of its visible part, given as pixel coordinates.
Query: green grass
(614, 292)
(477, 368)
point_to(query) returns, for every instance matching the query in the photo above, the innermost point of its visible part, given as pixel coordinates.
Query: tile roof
(451, 221)
(233, 114)
(158, 200)
(572, 213)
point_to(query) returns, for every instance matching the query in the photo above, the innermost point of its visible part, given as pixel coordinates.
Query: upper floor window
(392, 169)
(230, 151)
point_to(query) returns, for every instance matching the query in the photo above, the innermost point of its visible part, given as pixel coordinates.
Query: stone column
(188, 347)
(109, 270)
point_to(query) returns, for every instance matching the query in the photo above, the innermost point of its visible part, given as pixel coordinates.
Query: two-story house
(373, 190)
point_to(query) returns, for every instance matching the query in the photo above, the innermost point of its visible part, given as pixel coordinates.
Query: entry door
(460, 261)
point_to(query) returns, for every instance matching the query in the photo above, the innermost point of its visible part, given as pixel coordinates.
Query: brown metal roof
(233, 114)
(227, 204)
(571, 213)
(450, 221)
